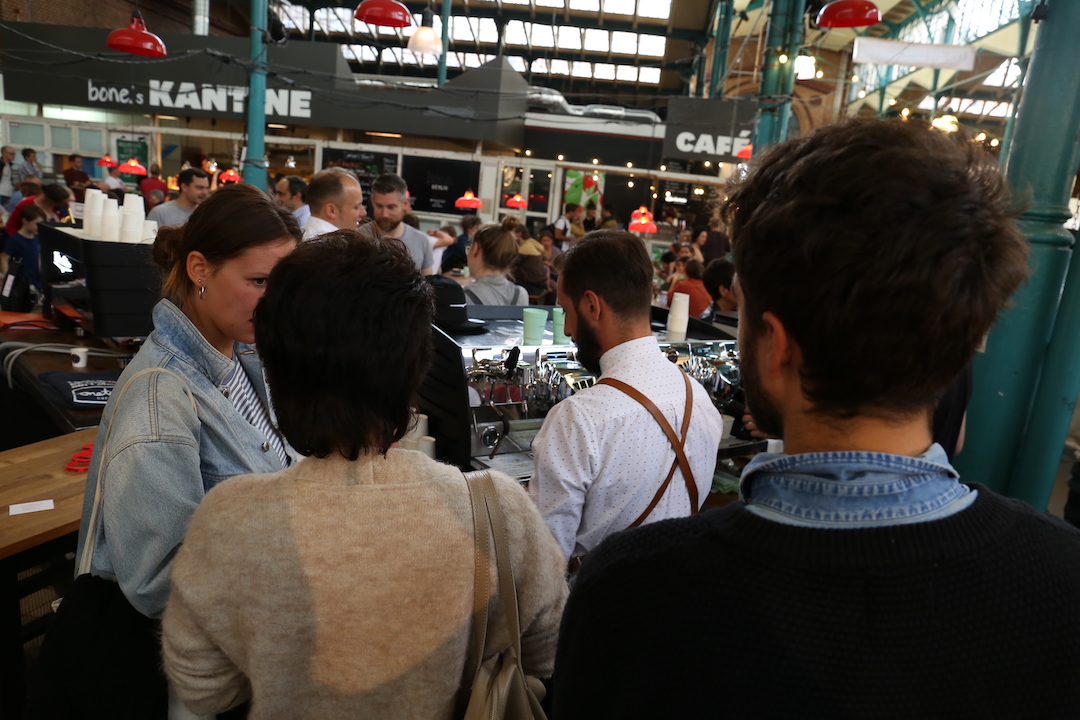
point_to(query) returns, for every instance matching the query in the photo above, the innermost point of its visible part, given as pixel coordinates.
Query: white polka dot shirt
(600, 456)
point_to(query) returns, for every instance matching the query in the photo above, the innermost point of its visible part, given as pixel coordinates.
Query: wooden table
(29, 473)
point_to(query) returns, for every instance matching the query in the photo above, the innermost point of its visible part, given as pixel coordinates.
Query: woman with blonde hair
(491, 255)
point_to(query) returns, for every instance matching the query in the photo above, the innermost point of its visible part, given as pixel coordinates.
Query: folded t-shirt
(80, 391)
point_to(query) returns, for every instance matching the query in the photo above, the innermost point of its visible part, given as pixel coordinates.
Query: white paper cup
(729, 420)
(79, 357)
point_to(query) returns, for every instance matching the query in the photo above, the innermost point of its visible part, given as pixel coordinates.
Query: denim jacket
(163, 457)
(853, 489)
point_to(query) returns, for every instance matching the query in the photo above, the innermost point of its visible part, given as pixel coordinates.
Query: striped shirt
(237, 388)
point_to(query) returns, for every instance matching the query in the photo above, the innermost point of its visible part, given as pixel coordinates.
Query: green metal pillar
(255, 167)
(1004, 450)
(445, 15)
(792, 41)
(721, 45)
(774, 97)
(1037, 460)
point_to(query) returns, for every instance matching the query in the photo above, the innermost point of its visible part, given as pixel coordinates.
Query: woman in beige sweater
(342, 587)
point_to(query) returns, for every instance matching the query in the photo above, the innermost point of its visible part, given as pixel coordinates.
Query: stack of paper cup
(678, 317)
(110, 221)
(426, 445)
(131, 227)
(95, 199)
(149, 231)
(418, 431)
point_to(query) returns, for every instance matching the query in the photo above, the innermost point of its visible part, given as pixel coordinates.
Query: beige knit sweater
(339, 589)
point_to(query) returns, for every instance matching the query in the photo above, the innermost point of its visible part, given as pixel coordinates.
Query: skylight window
(540, 65)
(597, 40)
(649, 75)
(586, 5)
(581, 69)
(569, 38)
(626, 72)
(541, 35)
(654, 8)
(624, 42)
(515, 33)
(560, 67)
(619, 7)
(652, 45)
(550, 3)
(1006, 74)
(518, 63)
(488, 33)
(604, 71)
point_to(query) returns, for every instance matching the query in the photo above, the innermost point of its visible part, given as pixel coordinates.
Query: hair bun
(510, 222)
(167, 246)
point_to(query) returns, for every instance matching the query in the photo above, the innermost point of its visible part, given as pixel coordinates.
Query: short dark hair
(233, 219)
(297, 186)
(186, 176)
(327, 304)
(613, 264)
(389, 183)
(326, 187)
(695, 269)
(56, 193)
(610, 208)
(468, 222)
(718, 273)
(155, 169)
(887, 251)
(32, 212)
(27, 151)
(570, 207)
(72, 156)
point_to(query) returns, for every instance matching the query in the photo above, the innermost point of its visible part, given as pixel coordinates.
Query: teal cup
(535, 321)
(558, 323)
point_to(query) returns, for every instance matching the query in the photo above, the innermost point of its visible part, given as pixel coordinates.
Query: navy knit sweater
(728, 615)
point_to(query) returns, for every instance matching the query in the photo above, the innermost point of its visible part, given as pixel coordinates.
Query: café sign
(708, 129)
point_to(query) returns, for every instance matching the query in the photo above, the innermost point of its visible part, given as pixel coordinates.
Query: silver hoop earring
(202, 290)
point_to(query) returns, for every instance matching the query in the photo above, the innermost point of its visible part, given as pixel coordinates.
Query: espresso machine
(487, 394)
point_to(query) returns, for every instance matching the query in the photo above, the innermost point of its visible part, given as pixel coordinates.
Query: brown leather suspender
(676, 443)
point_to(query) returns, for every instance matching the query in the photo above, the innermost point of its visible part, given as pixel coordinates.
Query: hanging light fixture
(229, 176)
(384, 13)
(641, 220)
(517, 202)
(107, 161)
(425, 41)
(746, 151)
(133, 167)
(468, 200)
(291, 162)
(211, 165)
(136, 39)
(849, 13)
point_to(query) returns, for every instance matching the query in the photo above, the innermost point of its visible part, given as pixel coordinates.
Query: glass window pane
(539, 189)
(560, 67)
(604, 71)
(626, 72)
(569, 38)
(515, 33)
(511, 183)
(489, 33)
(518, 63)
(649, 75)
(550, 3)
(654, 8)
(60, 137)
(26, 135)
(587, 5)
(624, 42)
(597, 40)
(540, 65)
(652, 45)
(582, 69)
(619, 7)
(541, 35)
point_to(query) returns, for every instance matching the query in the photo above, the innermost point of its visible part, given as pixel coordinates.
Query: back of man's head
(613, 264)
(570, 208)
(326, 186)
(887, 251)
(297, 186)
(56, 193)
(718, 273)
(386, 184)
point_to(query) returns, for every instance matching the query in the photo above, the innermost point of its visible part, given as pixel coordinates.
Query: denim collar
(177, 334)
(853, 489)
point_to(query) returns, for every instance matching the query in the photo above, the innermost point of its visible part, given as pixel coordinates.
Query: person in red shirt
(51, 197)
(693, 286)
(75, 178)
(153, 182)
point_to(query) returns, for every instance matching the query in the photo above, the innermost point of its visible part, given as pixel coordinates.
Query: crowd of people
(302, 564)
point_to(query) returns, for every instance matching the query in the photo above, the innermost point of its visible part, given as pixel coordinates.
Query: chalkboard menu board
(435, 183)
(365, 165)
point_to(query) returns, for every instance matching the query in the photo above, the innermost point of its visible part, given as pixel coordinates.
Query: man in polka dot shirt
(601, 456)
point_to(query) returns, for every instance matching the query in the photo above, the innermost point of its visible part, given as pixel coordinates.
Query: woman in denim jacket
(163, 455)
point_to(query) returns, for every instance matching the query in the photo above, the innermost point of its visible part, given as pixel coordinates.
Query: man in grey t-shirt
(194, 187)
(389, 203)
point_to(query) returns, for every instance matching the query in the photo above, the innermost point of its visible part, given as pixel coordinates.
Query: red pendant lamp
(229, 176)
(641, 220)
(133, 167)
(136, 39)
(516, 202)
(107, 161)
(746, 151)
(384, 13)
(849, 13)
(470, 201)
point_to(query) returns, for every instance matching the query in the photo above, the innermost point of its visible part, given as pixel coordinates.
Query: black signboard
(708, 129)
(365, 165)
(435, 184)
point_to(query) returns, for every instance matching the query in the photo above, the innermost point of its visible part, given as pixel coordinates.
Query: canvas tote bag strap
(507, 586)
(481, 563)
(90, 542)
(678, 445)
